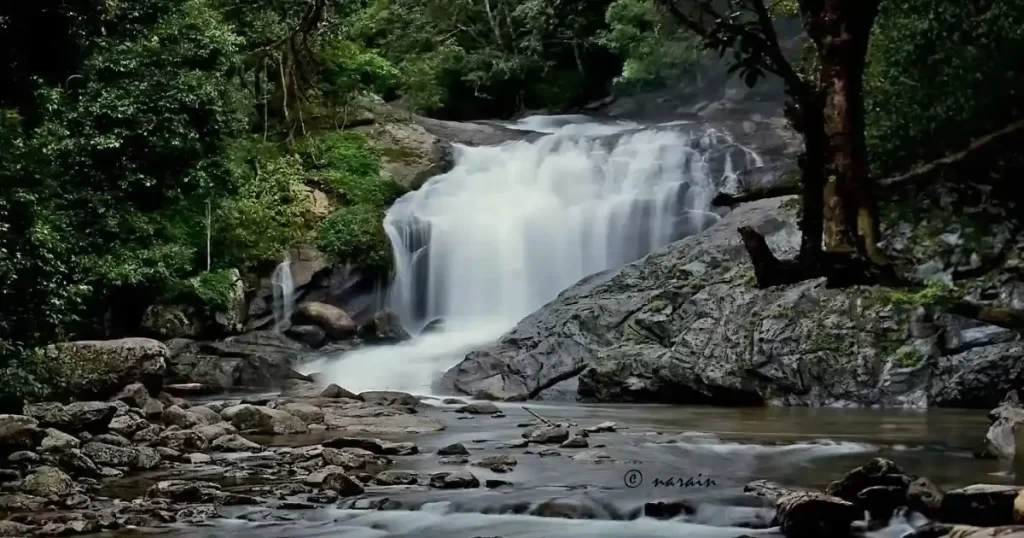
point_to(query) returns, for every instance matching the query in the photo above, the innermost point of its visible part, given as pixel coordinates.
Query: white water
(511, 226)
(284, 294)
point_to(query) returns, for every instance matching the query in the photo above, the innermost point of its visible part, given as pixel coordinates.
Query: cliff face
(686, 324)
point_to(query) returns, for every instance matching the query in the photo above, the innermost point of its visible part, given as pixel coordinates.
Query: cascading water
(284, 294)
(511, 226)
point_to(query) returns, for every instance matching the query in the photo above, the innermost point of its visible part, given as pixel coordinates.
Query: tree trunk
(842, 34)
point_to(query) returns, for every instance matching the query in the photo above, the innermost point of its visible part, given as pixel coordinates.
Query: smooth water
(283, 286)
(511, 226)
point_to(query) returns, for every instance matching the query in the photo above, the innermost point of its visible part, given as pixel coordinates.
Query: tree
(826, 106)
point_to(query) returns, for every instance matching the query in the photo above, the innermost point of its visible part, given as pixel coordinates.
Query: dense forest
(152, 150)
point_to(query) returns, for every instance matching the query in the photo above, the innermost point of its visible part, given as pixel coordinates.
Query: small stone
(127, 425)
(501, 463)
(479, 408)
(268, 421)
(336, 392)
(110, 472)
(175, 415)
(455, 449)
(110, 455)
(549, 435)
(57, 441)
(396, 478)
(454, 460)
(591, 456)
(516, 443)
(78, 463)
(148, 458)
(23, 456)
(135, 395)
(456, 480)
(453, 401)
(343, 484)
(327, 496)
(111, 439)
(234, 443)
(575, 442)
(308, 413)
(47, 482)
(376, 446)
(183, 441)
(196, 458)
(604, 427)
(147, 435)
(493, 483)
(153, 408)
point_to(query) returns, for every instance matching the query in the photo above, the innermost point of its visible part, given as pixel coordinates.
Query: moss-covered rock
(97, 370)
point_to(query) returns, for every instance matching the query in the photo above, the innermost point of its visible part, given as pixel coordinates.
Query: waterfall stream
(511, 226)
(284, 294)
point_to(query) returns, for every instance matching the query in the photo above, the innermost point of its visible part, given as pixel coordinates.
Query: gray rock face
(252, 360)
(685, 325)
(47, 481)
(99, 369)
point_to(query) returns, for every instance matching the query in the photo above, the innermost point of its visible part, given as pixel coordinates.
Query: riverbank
(253, 462)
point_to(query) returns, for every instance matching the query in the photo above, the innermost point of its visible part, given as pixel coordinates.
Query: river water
(793, 446)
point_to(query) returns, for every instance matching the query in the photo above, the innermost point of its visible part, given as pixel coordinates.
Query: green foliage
(933, 295)
(657, 52)
(940, 74)
(213, 291)
(347, 166)
(356, 233)
(908, 357)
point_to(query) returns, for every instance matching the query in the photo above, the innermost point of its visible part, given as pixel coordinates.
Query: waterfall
(284, 294)
(511, 226)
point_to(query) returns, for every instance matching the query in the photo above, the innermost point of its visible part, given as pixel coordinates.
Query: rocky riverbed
(315, 459)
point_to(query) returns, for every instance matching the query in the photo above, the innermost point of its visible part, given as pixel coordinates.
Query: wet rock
(353, 458)
(604, 427)
(21, 502)
(110, 455)
(14, 530)
(308, 413)
(877, 472)
(575, 442)
(148, 435)
(549, 435)
(127, 425)
(376, 446)
(110, 472)
(516, 443)
(18, 432)
(197, 458)
(153, 409)
(208, 415)
(342, 483)
(454, 480)
(982, 505)
(228, 413)
(881, 502)
(453, 401)
(455, 449)
(326, 496)
(135, 395)
(48, 482)
(78, 463)
(234, 443)
(1018, 508)
(668, 509)
(564, 509)
(92, 417)
(925, 497)
(942, 530)
(9, 475)
(813, 515)
(591, 456)
(375, 419)
(111, 439)
(57, 441)
(333, 320)
(183, 441)
(311, 335)
(1001, 438)
(216, 431)
(396, 478)
(181, 418)
(184, 491)
(147, 458)
(501, 463)
(268, 421)
(387, 398)
(335, 392)
(454, 460)
(23, 457)
(479, 408)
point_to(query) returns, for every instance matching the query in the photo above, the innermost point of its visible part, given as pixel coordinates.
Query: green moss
(400, 154)
(214, 291)
(908, 357)
(933, 295)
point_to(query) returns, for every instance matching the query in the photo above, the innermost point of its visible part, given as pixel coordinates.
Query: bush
(356, 234)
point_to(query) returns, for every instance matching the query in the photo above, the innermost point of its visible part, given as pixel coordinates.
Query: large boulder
(89, 370)
(686, 325)
(18, 432)
(1007, 422)
(267, 421)
(261, 359)
(93, 417)
(334, 321)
